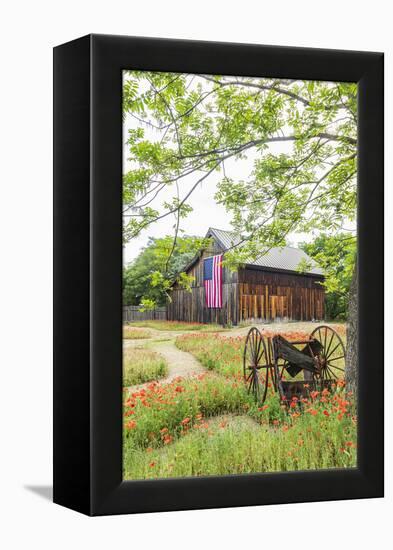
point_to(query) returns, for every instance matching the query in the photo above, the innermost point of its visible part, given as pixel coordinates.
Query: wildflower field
(210, 425)
(131, 333)
(142, 365)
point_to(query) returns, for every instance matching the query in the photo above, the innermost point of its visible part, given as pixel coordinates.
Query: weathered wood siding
(190, 306)
(249, 293)
(269, 295)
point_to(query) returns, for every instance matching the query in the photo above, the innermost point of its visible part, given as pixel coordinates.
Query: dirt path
(180, 363)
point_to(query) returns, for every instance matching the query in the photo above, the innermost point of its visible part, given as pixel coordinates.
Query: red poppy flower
(130, 425)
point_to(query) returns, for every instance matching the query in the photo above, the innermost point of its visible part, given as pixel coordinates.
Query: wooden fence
(132, 313)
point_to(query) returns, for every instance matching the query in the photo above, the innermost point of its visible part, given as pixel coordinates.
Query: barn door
(252, 306)
(278, 307)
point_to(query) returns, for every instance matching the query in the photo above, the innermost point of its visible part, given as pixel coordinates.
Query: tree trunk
(351, 364)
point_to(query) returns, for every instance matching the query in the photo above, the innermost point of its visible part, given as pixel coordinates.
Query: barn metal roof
(286, 258)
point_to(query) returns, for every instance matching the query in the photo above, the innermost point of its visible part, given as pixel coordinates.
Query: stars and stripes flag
(212, 280)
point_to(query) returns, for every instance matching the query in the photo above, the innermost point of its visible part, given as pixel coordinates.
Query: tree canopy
(336, 254)
(197, 127)
(143, 280)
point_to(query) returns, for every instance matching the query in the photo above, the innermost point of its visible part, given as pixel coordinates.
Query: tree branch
(271, 87)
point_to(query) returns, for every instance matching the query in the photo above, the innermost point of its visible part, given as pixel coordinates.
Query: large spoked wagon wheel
(255, 365)
(330, 356)
(277, 366)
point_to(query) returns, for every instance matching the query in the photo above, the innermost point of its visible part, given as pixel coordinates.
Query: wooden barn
(266, 290)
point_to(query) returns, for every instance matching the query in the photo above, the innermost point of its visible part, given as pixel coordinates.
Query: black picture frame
(88, 274)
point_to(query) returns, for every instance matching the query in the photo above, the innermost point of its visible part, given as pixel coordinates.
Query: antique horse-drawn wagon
(267, 362)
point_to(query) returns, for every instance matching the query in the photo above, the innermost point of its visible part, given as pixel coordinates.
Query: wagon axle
(266, 361)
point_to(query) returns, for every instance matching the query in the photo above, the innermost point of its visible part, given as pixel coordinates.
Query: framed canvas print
(218, 274)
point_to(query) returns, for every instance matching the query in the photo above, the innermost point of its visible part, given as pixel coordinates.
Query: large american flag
(212, 280)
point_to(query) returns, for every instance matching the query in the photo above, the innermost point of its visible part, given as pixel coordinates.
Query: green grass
(177, 326)
(164, 407)
(177, 429)
(234, 446)
(131, 333)
(171, 424)
(225, 354)
(142, 365)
